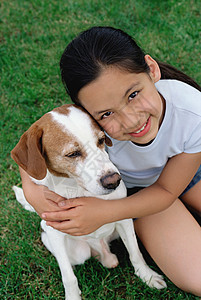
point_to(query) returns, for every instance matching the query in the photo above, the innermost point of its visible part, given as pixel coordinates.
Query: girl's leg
(173, 239)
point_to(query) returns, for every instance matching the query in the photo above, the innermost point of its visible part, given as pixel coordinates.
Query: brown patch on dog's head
(64, 109)
(43, 147)
(48, 145)
(58, 145)
(28, 152)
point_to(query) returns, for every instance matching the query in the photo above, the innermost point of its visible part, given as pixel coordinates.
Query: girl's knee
(195, 289)
(192, 284)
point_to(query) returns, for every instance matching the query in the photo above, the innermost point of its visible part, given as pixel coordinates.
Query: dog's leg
(55, 243)
(101, 250)
(125, 229)
(19, 194)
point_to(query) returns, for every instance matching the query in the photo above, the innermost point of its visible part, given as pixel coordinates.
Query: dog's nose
(111, 181)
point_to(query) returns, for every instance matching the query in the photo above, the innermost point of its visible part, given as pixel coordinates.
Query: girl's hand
(80, 217)
(43, 200)
(39, 196)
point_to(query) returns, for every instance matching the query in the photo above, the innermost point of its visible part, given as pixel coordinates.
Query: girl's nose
(128, 116)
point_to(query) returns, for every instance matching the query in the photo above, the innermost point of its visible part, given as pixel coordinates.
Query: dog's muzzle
(110, 181)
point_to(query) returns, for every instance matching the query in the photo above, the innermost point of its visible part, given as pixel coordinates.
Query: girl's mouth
(142, 130)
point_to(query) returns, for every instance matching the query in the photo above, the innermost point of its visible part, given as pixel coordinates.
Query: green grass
(33, 36)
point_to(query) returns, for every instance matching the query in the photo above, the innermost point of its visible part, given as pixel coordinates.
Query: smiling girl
(152, 114)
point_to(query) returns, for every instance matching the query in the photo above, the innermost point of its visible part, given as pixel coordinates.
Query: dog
(65, 151)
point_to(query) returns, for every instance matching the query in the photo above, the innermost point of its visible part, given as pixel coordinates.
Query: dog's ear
(28, 153)
(108, 141)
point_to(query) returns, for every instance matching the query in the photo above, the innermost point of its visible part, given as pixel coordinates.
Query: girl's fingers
(59, 216)
(63, 203)
(65, 227)
(68, 203)
(79, 216)
(49, 195)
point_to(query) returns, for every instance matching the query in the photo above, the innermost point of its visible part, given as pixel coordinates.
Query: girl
(155, 129)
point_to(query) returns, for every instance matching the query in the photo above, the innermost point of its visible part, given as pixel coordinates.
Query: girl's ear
(155, 72)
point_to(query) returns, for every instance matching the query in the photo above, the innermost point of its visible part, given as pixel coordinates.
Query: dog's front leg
(125, 229)
(55, 242)
(101, 251)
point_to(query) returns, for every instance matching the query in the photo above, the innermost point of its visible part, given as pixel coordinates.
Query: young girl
(155, 129)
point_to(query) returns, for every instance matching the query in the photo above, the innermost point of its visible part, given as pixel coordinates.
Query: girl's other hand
(39, 196)
(80, 216)
(44, 200)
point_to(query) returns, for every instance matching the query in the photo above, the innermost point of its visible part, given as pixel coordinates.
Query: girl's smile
(127, 105)
(143, 130)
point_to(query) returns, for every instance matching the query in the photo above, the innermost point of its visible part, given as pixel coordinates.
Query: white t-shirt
(180, 132)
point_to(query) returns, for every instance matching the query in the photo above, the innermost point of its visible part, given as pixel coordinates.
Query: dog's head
(69, 143)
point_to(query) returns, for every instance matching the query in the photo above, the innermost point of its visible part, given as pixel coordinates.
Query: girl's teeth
(143, 127)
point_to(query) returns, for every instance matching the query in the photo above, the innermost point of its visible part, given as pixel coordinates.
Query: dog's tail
(19, 194)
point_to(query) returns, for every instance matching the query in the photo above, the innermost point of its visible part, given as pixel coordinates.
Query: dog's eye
(101, 141)
(74, 154)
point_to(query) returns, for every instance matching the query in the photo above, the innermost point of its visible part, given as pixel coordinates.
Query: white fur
(97, 163)
(71, 250)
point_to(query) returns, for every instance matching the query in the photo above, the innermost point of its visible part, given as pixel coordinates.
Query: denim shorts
(193, 182)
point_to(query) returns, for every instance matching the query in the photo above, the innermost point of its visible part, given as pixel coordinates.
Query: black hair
(99, 47)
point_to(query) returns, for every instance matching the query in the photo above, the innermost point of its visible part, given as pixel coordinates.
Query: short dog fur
(65, 151)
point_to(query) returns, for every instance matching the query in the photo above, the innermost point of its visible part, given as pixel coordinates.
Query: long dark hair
(98, 47)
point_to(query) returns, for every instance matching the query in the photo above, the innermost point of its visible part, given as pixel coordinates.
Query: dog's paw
(73, 297)
(156, 281)
(72, 292)
(110, 261)
(151, 278)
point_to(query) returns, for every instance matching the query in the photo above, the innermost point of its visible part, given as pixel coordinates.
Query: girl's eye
(107, 114)
(132, 96)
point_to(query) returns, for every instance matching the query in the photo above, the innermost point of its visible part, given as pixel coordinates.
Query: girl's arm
(87, 214)
(39, 196)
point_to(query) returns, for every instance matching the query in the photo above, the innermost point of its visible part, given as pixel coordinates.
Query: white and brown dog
(65, 151)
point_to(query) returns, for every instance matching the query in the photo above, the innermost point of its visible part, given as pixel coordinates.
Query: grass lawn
(33, 36)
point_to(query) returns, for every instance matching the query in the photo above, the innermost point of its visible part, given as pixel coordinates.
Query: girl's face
(127, 105)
